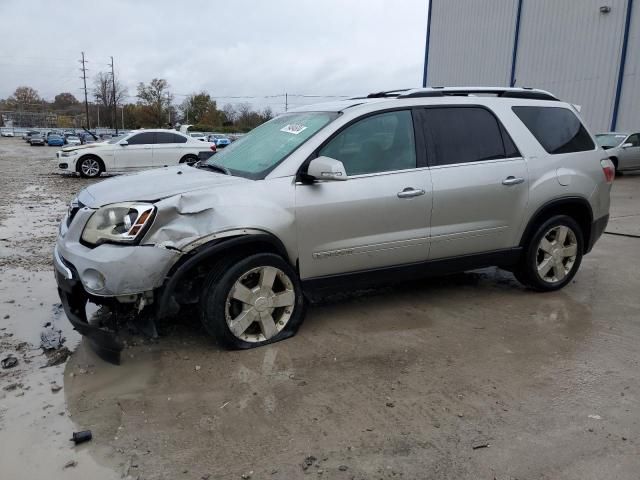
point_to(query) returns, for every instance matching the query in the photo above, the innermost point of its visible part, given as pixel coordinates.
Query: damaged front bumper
(74, 300)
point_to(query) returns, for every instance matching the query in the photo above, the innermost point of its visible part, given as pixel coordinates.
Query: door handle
(511, 180)
(410, 192)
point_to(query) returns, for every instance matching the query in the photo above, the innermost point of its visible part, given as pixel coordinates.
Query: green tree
(156, 101)
(64, 100)
(200, 108)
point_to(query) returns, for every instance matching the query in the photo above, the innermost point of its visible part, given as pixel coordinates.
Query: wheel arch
(185, 158)
(192, 263)
(577, 208)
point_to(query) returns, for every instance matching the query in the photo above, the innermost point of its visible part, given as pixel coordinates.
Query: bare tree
(103, 90)
(23, 97)
(230, 113)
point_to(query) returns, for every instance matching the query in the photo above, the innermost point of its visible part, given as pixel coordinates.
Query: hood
(80, 147)
(152, 185)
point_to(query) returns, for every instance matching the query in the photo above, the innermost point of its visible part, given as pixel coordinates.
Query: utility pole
(169, 106)
(122, 111)
(286, 102)
(84, 79)
(115, 108)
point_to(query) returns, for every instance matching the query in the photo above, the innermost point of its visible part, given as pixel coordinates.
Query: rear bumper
(597, 229)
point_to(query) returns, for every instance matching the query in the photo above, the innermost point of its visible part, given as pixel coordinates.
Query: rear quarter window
(557, 129)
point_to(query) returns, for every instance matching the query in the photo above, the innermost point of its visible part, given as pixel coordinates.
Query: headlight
(69, 154)
(118, 223)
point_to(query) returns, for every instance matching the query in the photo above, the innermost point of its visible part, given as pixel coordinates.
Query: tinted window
(142, 138)
(463, 135)
(168, 137)
(378, 143)
(634, 140)
(557, 129)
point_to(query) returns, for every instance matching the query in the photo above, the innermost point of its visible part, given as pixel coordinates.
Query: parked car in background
(72, 140)
(341, 195)
(55, 140)
(37, 139)
(6, 132)
(198, 136)
(138, 149)
(87, 138)
(220, 140)
(623, 149)
(29, 133)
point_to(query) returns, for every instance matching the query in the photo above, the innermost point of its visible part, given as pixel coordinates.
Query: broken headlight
(118, 223)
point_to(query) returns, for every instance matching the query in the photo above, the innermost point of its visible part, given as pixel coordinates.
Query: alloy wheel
(90, 167)
(556, 254)
(260, 304)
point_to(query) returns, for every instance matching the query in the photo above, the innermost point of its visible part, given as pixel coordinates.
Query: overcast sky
(254, 48)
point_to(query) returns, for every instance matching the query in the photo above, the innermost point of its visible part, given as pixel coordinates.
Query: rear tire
(553, 255)
(252, 301)
(189, 159)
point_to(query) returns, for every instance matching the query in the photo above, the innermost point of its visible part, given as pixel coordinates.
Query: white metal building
(586, 52)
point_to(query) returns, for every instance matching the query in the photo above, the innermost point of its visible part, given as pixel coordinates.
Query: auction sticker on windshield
(294, 128)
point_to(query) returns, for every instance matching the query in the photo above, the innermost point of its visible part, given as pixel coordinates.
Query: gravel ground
(465, 377)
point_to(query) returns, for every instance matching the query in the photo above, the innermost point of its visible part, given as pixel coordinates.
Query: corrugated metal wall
(573, 50)
(566, 46)
(629, 110)
(470, 42)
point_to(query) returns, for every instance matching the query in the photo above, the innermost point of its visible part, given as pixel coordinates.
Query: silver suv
(391, 186)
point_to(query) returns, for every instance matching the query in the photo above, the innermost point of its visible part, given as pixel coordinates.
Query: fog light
(93, 280)
(64, 166)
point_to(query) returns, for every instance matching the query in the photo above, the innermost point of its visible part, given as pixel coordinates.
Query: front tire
(553, 255)
(252, 302)
(90, 167)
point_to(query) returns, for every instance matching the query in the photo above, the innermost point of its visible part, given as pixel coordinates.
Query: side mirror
(124, 143)
(627, 145)
(326, 168)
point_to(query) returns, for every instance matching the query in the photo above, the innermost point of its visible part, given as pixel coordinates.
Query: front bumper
(105, 275)
(74, 300)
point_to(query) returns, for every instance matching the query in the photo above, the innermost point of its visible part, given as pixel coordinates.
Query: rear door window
(465, 134)
(145, 138)
(557, 129)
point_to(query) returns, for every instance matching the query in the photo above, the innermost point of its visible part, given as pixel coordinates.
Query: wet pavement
(468, 376)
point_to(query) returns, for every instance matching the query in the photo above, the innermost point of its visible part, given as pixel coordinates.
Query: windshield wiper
(213, 166)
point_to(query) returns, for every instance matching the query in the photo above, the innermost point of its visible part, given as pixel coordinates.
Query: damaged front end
(74, 301)
(101, 331)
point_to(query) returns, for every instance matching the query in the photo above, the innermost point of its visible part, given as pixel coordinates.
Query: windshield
(259, 151)
(610, 140)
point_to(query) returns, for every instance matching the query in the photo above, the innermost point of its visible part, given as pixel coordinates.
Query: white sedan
(137, 149)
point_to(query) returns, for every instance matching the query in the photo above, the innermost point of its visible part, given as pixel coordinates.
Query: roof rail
(388, 93)
(524, 92)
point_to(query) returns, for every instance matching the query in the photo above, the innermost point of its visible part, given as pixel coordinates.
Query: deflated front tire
(252, 301)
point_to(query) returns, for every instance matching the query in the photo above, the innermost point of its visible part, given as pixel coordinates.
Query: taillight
(213, 147)
(608, 169)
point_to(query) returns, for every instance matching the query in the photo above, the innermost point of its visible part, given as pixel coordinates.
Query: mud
(468, 376)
